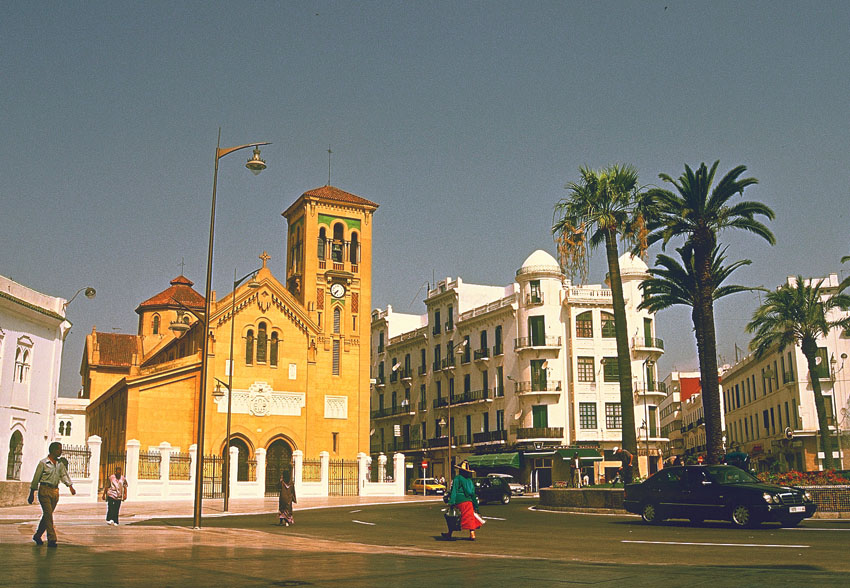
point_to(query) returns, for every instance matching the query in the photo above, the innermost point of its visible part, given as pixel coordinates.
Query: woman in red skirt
(463, 496)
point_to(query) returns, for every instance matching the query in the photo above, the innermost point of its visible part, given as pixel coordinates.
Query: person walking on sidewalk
(287, 497)
(49, 472)
(463, 496)
(114, 493)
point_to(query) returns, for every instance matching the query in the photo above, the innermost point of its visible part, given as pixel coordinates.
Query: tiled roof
(181, 291)
(331, 193)
(116, 349)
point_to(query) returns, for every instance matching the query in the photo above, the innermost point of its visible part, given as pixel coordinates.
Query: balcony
(448, 363)
(463, 439)
(423, 406)
(423, 369)
(436, 365)
(390, 411)
(498, 350)
(489, 437)
(393, 377)
(449, 326)
(437, 442)
(539, 433)
(524, 343)
(406, 374)
(534, 299)
(405, 445)
(648, 345)
(380, 382)
(436, 329)
(481, 354)
(530, 388)
(648, 389)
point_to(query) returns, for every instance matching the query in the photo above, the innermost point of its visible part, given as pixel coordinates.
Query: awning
(584, 453)
(495, 460)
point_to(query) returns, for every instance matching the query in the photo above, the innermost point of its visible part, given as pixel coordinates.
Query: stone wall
(14, 493)
(582, 497)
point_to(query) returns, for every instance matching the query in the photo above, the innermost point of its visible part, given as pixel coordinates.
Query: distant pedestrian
(627, 462)
(114, 493)
(49, 472)
(463, 496)
(575, 470)
(287, 497)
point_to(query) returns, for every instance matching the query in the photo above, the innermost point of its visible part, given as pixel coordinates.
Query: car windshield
(730, 475)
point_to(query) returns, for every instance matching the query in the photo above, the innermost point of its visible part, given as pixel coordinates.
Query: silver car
(517, 489)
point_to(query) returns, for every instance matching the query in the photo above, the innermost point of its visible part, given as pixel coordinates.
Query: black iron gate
(213, 476)
(342, 478)
(278, 461)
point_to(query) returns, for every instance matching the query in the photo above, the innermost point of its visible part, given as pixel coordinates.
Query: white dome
(632, 265)
(540, 264)
(541, 258)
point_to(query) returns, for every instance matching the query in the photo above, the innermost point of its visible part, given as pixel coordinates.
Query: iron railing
(180, 466)
(149, 462)
(78, 457)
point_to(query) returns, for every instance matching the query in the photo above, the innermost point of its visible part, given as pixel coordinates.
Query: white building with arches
(32, 332)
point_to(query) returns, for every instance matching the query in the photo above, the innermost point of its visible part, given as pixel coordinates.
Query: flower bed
(793, 478)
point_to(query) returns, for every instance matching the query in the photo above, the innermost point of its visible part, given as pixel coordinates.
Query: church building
(299, 353)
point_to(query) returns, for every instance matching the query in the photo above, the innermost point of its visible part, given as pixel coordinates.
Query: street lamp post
(256, 165)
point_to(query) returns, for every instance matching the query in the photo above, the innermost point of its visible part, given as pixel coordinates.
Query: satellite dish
(518, 416)
(789, 433)
(372, 432)
(396, 366)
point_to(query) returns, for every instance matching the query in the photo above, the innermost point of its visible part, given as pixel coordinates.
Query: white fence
(165, 488)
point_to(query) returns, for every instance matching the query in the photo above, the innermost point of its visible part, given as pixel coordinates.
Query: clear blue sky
(463, 120)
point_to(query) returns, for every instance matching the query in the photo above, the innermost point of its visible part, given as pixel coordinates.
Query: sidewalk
(140, 511)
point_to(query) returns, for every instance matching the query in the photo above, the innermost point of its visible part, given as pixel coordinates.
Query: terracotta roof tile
(332, 193)
(116, 349)
(181, 291)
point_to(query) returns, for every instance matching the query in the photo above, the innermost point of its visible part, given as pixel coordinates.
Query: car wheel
(791, 522)
(742, 516)
(650, 514)
(506, 499)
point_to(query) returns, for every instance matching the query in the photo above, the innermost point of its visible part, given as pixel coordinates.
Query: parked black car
(488, 490)
(716, 492)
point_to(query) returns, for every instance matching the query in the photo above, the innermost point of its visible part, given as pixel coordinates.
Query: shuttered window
(336, 358)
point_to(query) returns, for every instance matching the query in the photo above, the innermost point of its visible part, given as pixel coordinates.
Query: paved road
(400, 545)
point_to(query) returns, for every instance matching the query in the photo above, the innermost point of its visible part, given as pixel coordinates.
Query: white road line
(814, 529)
(714, 544)
(494, 519)
(362, 522)
(358, 510)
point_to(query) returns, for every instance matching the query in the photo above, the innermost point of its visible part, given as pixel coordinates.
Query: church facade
(300, 376)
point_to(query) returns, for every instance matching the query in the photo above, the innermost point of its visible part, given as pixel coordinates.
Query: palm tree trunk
(624, 359)
(707, 349)
(810, 350)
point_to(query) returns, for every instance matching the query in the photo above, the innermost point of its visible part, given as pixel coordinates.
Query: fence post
(95, 447)
(297, 470)
(362, 471)
(232, 469)
(398, 473)
(164, 466)
(193, 458)
(324, 460)
(260, 455)
(382, 467)
(132, 466)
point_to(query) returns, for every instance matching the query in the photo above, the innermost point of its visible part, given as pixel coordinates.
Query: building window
(497, 345)
(354, 250)
(155, 327)
(613, 415)
(500, 420)
(587, 415)
(336, 357)
(450, 324)
(536, 294)
(539, 416)
(273, 351)
(610, 369)
(249, 347)
(336, 246)
(584, 325)
(15, 456)
(335, 442)
(436, 328)
(22, 364)
(585, 370)
(337, 315)
(537, 330)
(609, 330)
(380, 342)
(323, 239)
(262, 343)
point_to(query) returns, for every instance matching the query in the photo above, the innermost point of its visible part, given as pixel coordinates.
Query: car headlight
(770, 498)
(807, 496)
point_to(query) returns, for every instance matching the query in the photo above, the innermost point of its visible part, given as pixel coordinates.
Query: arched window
(273, 350)
(249, 347)
(242, 459)
(15, 457)
(155, 326)
(337, 315)
(68, 429)
(62, 427)
(323, 237)
(354, 251)
(22, 364)
(262, 343)
(609, 331)
(584, 325)
(336, 247)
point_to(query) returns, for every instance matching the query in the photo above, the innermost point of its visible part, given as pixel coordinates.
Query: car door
(702, 494)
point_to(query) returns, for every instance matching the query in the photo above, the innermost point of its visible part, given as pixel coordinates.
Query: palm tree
(599, 209)
(698, 213)
(799, 314)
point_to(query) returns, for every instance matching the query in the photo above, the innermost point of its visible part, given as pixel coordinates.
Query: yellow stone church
(300, 351)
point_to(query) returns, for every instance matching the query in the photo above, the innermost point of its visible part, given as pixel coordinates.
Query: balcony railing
(650, 343)
(528, 342)
(498, 350)
(448, 362)
(482, 354)
(463, 439)
(534, 299)
(423, 369)
(405, 373)
(436, 365)
(436, 442)
(423, 405)
(532, 387)
(465, 397)
(380, 381)
(449, 326)
(529, 433)
(388, 411)
(490, 437)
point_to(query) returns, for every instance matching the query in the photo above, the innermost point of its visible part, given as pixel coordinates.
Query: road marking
(358, 510)
(494, 519)
(714, 544)
(362, 522)
(815, 529)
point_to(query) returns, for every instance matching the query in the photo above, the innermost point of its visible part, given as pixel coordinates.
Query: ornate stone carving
(336, 407)
(261, 400)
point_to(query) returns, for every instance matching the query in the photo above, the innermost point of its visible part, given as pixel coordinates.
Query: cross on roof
(265, 257)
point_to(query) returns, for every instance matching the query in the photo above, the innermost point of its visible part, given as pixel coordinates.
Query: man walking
(49, 472)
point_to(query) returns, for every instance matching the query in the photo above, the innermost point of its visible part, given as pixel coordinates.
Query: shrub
(794, 478)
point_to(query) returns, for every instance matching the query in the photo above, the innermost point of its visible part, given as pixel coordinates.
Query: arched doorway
(278, 461)
(16, 455)
(242, 459)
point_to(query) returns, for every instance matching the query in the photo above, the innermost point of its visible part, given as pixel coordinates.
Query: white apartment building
(514, 377)
(32, 332)
(770, 406)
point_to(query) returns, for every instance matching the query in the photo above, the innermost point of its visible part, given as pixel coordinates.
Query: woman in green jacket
(463, 497)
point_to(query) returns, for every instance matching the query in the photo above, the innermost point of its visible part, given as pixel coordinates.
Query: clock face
(337, 290)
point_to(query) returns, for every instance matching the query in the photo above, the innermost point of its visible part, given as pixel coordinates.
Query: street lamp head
(253, 283)
(90, 292)
(256, 164)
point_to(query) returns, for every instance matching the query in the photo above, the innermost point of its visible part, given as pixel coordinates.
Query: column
(132, 466)
(261, 473)
(297, 470)
(382, 467)
(193, 458)
(164, 467)
(95, 447)
(324, 459)
(362, 470)
(233, 469)
(398, 473)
